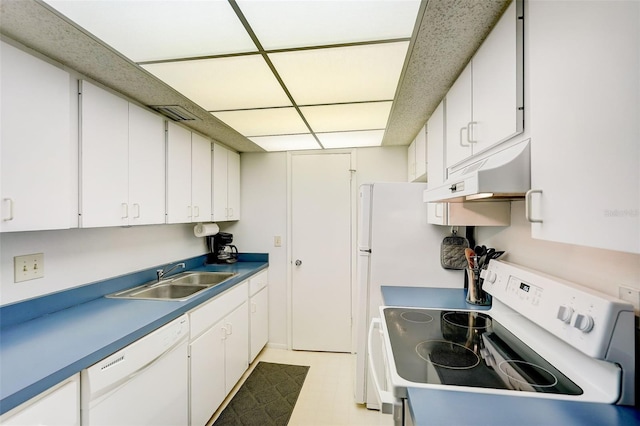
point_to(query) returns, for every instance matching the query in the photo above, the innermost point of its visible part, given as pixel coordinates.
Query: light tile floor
(326, 398)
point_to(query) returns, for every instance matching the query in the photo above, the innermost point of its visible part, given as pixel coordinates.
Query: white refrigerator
(396, 247)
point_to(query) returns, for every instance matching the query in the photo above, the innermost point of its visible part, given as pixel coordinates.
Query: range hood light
(480, 196)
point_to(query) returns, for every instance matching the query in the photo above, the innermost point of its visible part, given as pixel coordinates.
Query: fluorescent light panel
(344, 74)
(286, 142)
(263, 122)
(360, 116)
(157, 30)
(239, 82)
(351, 139)
(285, 24)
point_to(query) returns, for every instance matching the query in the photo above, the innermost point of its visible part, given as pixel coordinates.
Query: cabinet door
(207, 380)
(435, 147)
(233, 185)
(146, 167)
(585, 100)
(178, 174)
(59, 406)
(458, 112)
(411, 162)
(236, 345)
(421, 155)
(200, 178)
(259, 311)
(219, 173)
(104, 183)
(498, 83)
(36, 148)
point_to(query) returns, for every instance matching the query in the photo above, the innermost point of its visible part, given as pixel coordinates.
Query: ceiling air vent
(174, 112)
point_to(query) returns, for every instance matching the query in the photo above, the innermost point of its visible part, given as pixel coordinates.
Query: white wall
(79, 256)
(264, 215)
(602, 270)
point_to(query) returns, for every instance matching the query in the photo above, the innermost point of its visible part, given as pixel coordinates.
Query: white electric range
(542, 338)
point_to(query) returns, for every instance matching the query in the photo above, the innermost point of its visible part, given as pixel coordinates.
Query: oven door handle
(386, 398)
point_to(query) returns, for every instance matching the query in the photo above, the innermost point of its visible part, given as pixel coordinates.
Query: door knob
(298, 262)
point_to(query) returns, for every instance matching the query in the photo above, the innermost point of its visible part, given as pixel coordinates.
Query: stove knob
(584, 323)
(565, 313)
(491, 277)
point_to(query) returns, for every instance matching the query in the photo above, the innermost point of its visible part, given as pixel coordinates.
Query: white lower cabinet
(218, 352)
(259, 313)
(58, 406)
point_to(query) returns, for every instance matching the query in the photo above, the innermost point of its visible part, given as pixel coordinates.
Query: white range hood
(504, 175)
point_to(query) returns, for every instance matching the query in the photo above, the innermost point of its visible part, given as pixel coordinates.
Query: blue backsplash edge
(29, 309)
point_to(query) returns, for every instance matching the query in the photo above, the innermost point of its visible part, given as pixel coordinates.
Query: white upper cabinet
(584, 69)
(498, 86)
(200, 178)
(38, 186)
(188, 176)
(485, 106)
(417, 157)
(122, 161)
(226, 184)
(146, 167)
(459, 118)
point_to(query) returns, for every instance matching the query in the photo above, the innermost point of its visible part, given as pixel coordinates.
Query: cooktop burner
(467, 349)
(415, 316)
(447, 354)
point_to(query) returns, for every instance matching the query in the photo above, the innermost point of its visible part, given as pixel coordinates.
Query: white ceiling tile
(262, 122)
(284, 24)
(146, 30)
(344, 74)
(240, 82)
(360, 116)
(286, 142)
(351, 139)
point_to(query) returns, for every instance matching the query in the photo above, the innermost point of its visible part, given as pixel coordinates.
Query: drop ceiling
(268, 75)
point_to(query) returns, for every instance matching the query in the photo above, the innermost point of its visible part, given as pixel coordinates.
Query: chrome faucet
(161, 272)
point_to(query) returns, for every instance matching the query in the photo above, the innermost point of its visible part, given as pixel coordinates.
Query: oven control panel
(582, 317)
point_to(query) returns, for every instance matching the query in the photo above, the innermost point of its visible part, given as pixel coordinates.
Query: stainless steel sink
(178, 288)
(202, 278)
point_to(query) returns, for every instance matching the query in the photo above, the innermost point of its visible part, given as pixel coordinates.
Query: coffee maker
(220, 248)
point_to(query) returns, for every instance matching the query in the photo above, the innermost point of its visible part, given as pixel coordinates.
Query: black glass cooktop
(468, 349)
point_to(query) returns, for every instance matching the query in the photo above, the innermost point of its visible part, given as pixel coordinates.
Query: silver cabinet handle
(136, 207)
(527, 208)
(189, 211)
(298, 262)
(10, 217)
(125, 210)
(462, 129)
(196, 210)
(469, 129)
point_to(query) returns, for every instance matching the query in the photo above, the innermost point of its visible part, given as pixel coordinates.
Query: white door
(321, 252)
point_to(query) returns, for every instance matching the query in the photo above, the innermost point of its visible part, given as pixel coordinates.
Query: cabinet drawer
(213, 311)
(258, 282)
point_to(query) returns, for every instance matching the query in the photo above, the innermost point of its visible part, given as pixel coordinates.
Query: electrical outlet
(277, 241)
(28, 267)
(630, 295)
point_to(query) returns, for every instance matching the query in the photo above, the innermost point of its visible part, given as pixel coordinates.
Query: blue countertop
(44, 350)
(449, 407)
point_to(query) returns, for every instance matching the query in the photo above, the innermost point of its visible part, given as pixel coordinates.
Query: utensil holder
(475, 294)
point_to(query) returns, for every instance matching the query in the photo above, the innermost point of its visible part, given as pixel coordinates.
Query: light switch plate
(28, 267)
(630, 295)
(277, 241)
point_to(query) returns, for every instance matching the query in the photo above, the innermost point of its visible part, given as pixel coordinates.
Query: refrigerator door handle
(365, 250)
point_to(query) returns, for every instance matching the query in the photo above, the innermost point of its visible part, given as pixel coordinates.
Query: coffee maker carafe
(220, 248)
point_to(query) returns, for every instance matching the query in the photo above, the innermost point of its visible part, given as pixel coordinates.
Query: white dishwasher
(143, 384)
